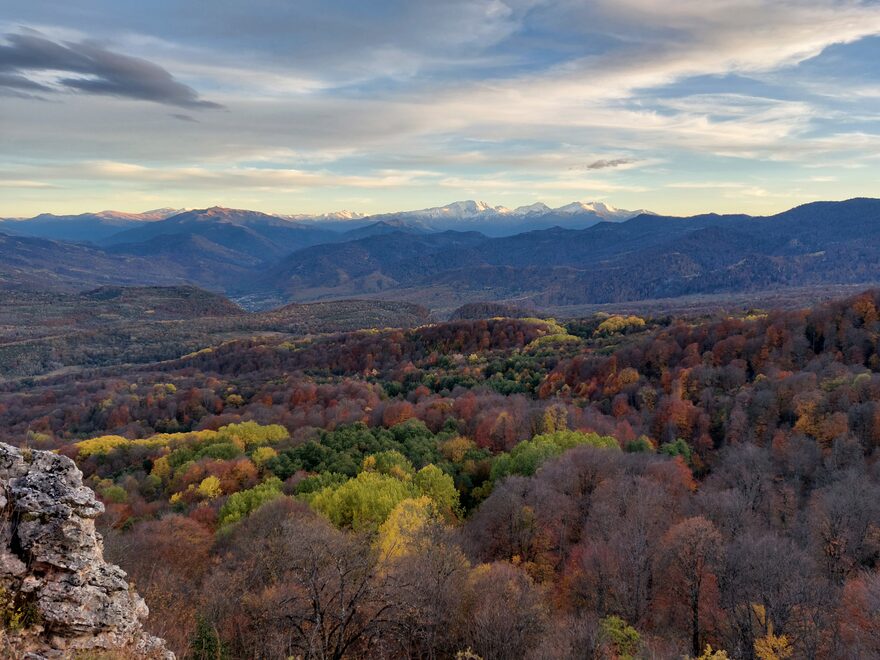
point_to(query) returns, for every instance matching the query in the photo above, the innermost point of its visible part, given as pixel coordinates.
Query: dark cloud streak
(95, 70)
(15, 81)
(605, 164)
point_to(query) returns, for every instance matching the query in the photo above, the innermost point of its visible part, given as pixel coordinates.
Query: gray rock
(51, 561)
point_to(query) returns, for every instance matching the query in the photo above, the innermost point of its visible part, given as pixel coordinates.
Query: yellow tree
(770, 646)
(403, 531)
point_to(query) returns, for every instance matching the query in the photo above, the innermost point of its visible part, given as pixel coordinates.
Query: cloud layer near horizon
(748, 105)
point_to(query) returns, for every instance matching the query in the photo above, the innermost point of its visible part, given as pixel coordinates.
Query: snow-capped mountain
(455, 211)
(538, 208)
(501, 221)
(333, 216)
(466, 215)
(605, 211)
(473, 209)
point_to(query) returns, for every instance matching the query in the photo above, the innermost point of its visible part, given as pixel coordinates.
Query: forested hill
(48, 331)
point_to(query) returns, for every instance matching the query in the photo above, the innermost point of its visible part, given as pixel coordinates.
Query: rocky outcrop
(58, 597)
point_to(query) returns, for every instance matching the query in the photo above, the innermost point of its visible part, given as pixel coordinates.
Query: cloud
(242, 177)
(603, 164)
(94, 69)
(15, 81)
(183, 117)
(514, 96)
(705, 185)
(24, 183)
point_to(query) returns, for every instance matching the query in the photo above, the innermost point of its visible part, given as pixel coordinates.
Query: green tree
(620, 636)
(439, 486)
(641, 445)
(527, 457)
(244, 502)
(362, 503)
(390, 462)
(206, 643)
(677, 448)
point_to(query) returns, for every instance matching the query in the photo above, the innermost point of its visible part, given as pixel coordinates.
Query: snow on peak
(538, 208)
(331, 216)
(472, 212)
(344, 215)
(154, 214)
(456, 210)
(599, 208)
(466, 208)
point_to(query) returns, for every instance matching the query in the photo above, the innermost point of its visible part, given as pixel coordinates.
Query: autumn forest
(612, 486)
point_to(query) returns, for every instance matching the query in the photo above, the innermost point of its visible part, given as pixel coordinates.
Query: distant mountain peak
(587, 207)
(332, 216)
(224, 214)
(538, 208)
(146, 216)
(471, 210)
(462, 209)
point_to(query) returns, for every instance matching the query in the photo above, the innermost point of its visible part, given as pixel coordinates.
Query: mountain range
(443, 257)
(477, 216)
(499, 221)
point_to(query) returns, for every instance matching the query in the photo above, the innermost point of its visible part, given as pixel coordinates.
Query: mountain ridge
(495, 218)
(645, 257)
(263, 259)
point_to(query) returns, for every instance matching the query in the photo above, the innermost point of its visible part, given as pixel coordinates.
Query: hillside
(40, 264)
(372, 264)
(643, 258)
(257, 236)
(521, 487)
(48, 331)
(84, 227)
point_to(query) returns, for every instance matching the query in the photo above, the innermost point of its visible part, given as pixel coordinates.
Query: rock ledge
(58, 597)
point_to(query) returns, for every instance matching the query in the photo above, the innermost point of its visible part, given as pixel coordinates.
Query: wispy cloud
(248, 177)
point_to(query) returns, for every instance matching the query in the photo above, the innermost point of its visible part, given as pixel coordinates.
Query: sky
(310, 106)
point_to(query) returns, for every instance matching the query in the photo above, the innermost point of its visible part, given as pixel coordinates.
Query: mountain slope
(645, 257)
(36, 263)
(44, 331)
(265, 260)
(366, 265)
(248, 233)
(85, 227)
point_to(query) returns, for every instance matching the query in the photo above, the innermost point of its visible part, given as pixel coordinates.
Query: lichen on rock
(58, 597)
